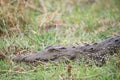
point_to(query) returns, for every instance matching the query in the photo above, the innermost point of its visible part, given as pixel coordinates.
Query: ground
(60, 22)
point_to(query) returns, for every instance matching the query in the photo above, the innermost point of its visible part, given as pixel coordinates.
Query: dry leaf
(118, 64)
(69, 70)
(2, 56)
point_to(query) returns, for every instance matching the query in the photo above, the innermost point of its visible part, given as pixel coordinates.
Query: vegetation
(30, 26)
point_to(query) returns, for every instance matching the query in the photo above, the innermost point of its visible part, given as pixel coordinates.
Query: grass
(59, 22)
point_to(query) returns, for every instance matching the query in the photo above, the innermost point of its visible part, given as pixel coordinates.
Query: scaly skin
(97, 53)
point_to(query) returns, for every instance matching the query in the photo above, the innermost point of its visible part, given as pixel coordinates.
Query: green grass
(81, 22)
